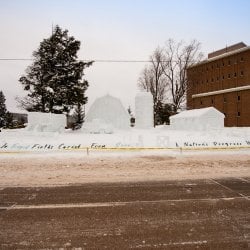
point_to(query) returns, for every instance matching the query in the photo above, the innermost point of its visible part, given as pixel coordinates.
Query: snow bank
(133, 139)
(46, 122)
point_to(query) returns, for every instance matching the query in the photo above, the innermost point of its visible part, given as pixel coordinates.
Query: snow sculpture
(97, 126)
(105, 114)
(198, 119)
(46, 122)
(144, 110)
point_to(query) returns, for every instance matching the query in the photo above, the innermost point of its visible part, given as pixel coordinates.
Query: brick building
(223, 81)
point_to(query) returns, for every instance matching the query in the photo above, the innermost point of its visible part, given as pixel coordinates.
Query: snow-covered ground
(161, 137)
(72, 157)
(48, 169)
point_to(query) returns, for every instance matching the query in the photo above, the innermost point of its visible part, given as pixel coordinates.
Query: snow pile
(107, 111)
(46, 122)
(144, 110)
(198, 119)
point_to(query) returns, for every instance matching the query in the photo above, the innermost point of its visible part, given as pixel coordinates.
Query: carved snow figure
(105, 114)
(144, 110)
(198, 119)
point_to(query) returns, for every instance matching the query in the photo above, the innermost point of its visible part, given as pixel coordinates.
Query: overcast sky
(114, 30)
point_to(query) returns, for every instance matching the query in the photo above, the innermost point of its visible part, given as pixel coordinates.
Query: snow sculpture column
(144, 110)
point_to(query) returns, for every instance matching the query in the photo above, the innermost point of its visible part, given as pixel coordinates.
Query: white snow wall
(46, 122)
(198, 119)
(144, 110)
(109, 111)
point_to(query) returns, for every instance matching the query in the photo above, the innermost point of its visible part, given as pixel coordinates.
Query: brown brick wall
(223, 73)
(245, 108)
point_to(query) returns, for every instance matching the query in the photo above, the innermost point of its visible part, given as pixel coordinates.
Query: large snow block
(144, 110)
(198, 119)
(108, 111)
(46, 122)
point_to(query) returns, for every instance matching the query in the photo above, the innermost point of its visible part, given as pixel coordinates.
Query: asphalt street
(194, 214)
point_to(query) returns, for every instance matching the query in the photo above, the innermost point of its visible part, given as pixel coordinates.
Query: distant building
(223, 81)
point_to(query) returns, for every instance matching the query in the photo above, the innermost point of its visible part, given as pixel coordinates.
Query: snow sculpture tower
(144, 110)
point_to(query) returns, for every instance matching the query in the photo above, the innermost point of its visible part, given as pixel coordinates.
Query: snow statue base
(144, 110)
(106, 114)
(198, 119)
(46, 122)
(97, 126)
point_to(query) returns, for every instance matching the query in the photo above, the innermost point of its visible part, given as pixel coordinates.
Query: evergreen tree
(168, 109)
(3, 110)
(9, 121)
(79, 115)
(54, 80)
(163, 112)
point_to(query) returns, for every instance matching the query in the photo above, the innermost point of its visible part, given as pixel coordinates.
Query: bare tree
(178, 57)
(153, 79)
(165, 77)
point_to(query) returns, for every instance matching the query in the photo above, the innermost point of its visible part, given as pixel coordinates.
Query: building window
(207, 81)
(225, 100)
(223, 77)
(229, 76)
(217, 78)
(229, 62)
(242, 73)
(223, 64)
(235, 74)
(238, 114)
(212, 101)
(201, 102)
(241, 59)
(212, 80)
(238, 97)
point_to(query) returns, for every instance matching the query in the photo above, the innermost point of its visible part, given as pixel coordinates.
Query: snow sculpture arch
(107, 112)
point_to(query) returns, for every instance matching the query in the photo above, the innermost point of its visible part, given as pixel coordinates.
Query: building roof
(227, 49)
(223, 55)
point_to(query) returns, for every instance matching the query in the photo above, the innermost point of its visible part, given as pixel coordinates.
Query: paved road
(203, 214)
